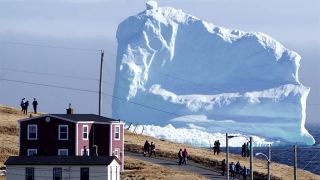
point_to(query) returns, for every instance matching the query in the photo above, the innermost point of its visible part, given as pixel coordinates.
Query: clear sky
(92, 24)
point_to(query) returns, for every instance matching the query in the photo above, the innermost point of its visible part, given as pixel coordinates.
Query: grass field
(138, 169)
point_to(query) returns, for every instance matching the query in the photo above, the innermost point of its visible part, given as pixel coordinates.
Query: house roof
(61, 160)
(85, 117)
(93, 118)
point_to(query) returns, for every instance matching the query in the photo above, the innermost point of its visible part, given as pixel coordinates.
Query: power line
(50, 74)
(121, 99)
(311, 159)
(115, 97)
(48, 46)
(56, 75)
(55, 47)
(48, 85)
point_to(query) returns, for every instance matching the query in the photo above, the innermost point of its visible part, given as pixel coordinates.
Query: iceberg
(173, 68)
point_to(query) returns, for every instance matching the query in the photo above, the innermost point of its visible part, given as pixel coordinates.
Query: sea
(308, 156)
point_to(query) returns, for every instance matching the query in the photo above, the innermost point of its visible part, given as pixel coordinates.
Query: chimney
(69, 110)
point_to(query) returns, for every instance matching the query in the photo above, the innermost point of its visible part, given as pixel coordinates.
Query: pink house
(72, 135)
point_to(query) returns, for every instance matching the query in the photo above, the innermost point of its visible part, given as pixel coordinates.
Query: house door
(84, 174)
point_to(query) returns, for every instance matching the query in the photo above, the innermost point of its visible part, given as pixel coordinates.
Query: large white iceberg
(173, 68)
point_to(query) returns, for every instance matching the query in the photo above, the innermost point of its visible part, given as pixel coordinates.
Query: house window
(29, 173)
(85, 132)
(82, 152)
(62, 152)
(116, 152)
(84, 174)
(57, 173)
(117, 132)
(32, 132)
(63, 132)
(32, 152)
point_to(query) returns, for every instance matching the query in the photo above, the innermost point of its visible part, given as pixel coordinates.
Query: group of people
(216, 147)
(183, 156)
(25, 104)
(234, 169)
(149, 149)
(245, 150)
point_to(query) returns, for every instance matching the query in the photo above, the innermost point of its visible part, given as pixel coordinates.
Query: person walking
(180, 156)
(26, 104)
(35, 104)
(23, 101)
(215, 148)
(146, 148)
(238, 169)
(223, 167)
(152, 149)
(185, 156)
(244, 173)
(218, 147)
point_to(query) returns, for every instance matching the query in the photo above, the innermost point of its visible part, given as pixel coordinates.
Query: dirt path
(191, 167)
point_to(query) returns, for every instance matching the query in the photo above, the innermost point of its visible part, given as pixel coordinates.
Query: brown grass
(137, 169)
(133, 142)
(167, 149)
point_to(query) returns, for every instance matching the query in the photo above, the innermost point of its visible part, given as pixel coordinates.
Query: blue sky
(92, 24)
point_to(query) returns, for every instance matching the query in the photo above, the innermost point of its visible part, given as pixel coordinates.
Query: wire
(48, 85)
(124, 100)
(57, 75)
(311, 160)
(49, 74)
(115, 97)
(49, 46)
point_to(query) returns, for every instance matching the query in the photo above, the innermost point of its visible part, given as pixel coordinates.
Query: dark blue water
(308, 157)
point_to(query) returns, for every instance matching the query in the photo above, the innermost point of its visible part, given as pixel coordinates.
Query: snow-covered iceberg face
(172, 66)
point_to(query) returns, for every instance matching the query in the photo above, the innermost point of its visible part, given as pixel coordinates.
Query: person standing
(26, 104)
(35, 104)
(23, 101)
(223, 167)
(146, 148)
(232, 169)
(185, 156)
(238, 168)
(218, 147)
(180, 156)
(244, 173)
(215, 148)
(243, 150)
(152, 149)
(248, 149)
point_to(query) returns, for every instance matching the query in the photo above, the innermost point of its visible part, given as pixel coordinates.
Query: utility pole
(295, 161)
(269, 161)
(251, 158)
(227, 155)
(100, 82)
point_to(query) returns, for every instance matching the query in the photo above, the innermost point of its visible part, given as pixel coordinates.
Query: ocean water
(308, 156)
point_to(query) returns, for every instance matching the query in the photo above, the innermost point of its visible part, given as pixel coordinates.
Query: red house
(71, 135)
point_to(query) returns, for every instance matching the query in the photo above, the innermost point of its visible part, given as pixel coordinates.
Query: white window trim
(67, 132)
(114, 132)
(87, 132)
(117, 150)
(59, 152)
(81, 152)
(30, 125)
(28, 151)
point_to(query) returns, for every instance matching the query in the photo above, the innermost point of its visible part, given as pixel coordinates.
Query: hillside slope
(133, 142)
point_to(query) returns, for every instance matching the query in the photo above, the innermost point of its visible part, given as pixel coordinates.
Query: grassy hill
(134, 143)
